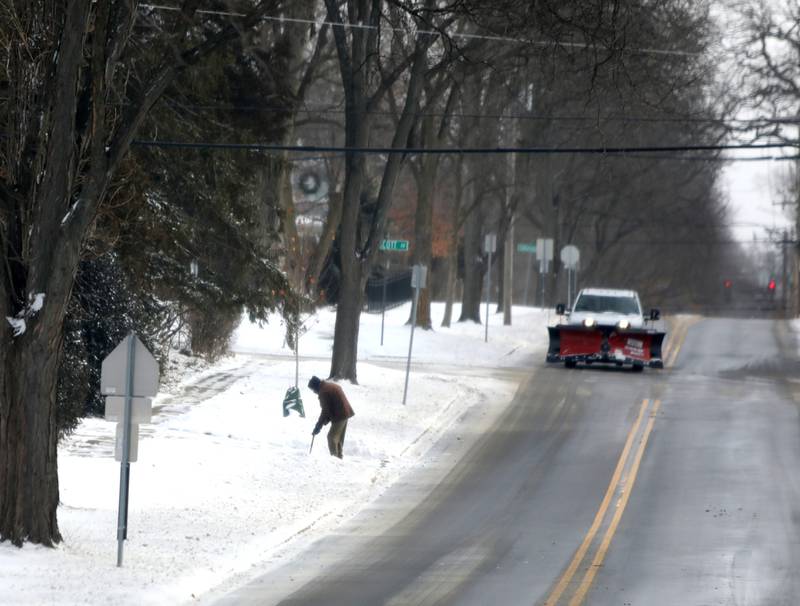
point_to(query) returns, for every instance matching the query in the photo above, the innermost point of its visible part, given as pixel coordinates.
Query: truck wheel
(637, 368)
(570, 363)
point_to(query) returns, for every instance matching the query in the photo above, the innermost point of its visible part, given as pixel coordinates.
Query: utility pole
(784, 272)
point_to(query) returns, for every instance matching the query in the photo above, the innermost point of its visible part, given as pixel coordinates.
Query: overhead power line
(433, 32)
(270, 147)
(483, 116)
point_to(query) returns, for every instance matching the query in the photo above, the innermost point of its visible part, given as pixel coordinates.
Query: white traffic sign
(141, 409)
(419, 275)
(133, 453)
(544, 253)
(544, 249)
(570, 255)
(114, 371)
(490, 243)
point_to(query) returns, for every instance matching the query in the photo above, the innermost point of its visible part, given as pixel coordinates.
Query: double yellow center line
(621, 486)
(677, 337)
(574, 584)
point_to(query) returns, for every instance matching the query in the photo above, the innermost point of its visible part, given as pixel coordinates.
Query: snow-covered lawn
(224, 484)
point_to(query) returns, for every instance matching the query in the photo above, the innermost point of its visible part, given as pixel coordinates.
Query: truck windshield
(600, 304)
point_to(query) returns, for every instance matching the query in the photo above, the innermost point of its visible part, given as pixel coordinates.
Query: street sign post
(383, 303)
(544, 254)
(531, 250)
(570, 257)
(395, 245)
(489, 246)
(400, 245)
(419, 275)
(129, 377)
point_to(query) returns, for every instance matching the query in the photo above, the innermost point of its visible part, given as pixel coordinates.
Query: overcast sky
(753, 190)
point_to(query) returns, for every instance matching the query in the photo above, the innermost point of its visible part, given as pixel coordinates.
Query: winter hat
(313, 384)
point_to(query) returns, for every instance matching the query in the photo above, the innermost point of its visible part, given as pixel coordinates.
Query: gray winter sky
(753, 188)
(754, 193)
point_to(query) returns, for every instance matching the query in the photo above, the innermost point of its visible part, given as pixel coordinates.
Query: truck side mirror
(655, 314)
(560, 309)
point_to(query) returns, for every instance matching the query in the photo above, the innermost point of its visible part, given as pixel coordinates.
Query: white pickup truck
(608, 326)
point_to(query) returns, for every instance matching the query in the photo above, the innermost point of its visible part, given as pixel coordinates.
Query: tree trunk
(423, 224)
(348, 310)
(508, 275)
(499, 269)
(28, 437)
(356, 258)
(452, 256)
(473, 265)
(291, 239)
(452, 276)
(28, 421)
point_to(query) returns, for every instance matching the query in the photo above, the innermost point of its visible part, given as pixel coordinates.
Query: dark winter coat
(333, 403)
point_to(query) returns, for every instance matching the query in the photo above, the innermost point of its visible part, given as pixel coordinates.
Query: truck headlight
(589, 322)
(623, 324)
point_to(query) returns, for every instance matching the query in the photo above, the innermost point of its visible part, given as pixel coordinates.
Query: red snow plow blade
(637, 347)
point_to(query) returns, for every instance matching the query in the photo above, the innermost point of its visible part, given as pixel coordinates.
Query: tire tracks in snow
(95, 437)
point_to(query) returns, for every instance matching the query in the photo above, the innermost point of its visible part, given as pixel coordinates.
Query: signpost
(398, 245)
(418, 275)
(544, 254)
(570, 257)
(489, 246)
(531, 250)
(383, 304)
(129, 378)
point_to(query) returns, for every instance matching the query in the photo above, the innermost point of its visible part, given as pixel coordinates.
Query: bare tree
(366, 78)
(770, 54)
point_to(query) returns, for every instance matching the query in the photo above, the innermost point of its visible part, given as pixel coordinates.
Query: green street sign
(528, 248)
(394, 245)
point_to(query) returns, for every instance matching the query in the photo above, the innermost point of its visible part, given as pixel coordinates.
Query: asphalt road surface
(596, 486)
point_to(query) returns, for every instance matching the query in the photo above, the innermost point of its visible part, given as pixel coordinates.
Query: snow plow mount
(637, 347)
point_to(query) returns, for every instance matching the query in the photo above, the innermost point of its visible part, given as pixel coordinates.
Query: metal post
(411, 339)
(125, 465)
(488, 290)
(528, 276)
(383, 308)
(542, 277)
(296, 356)
(575, 282)
(569, 287)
